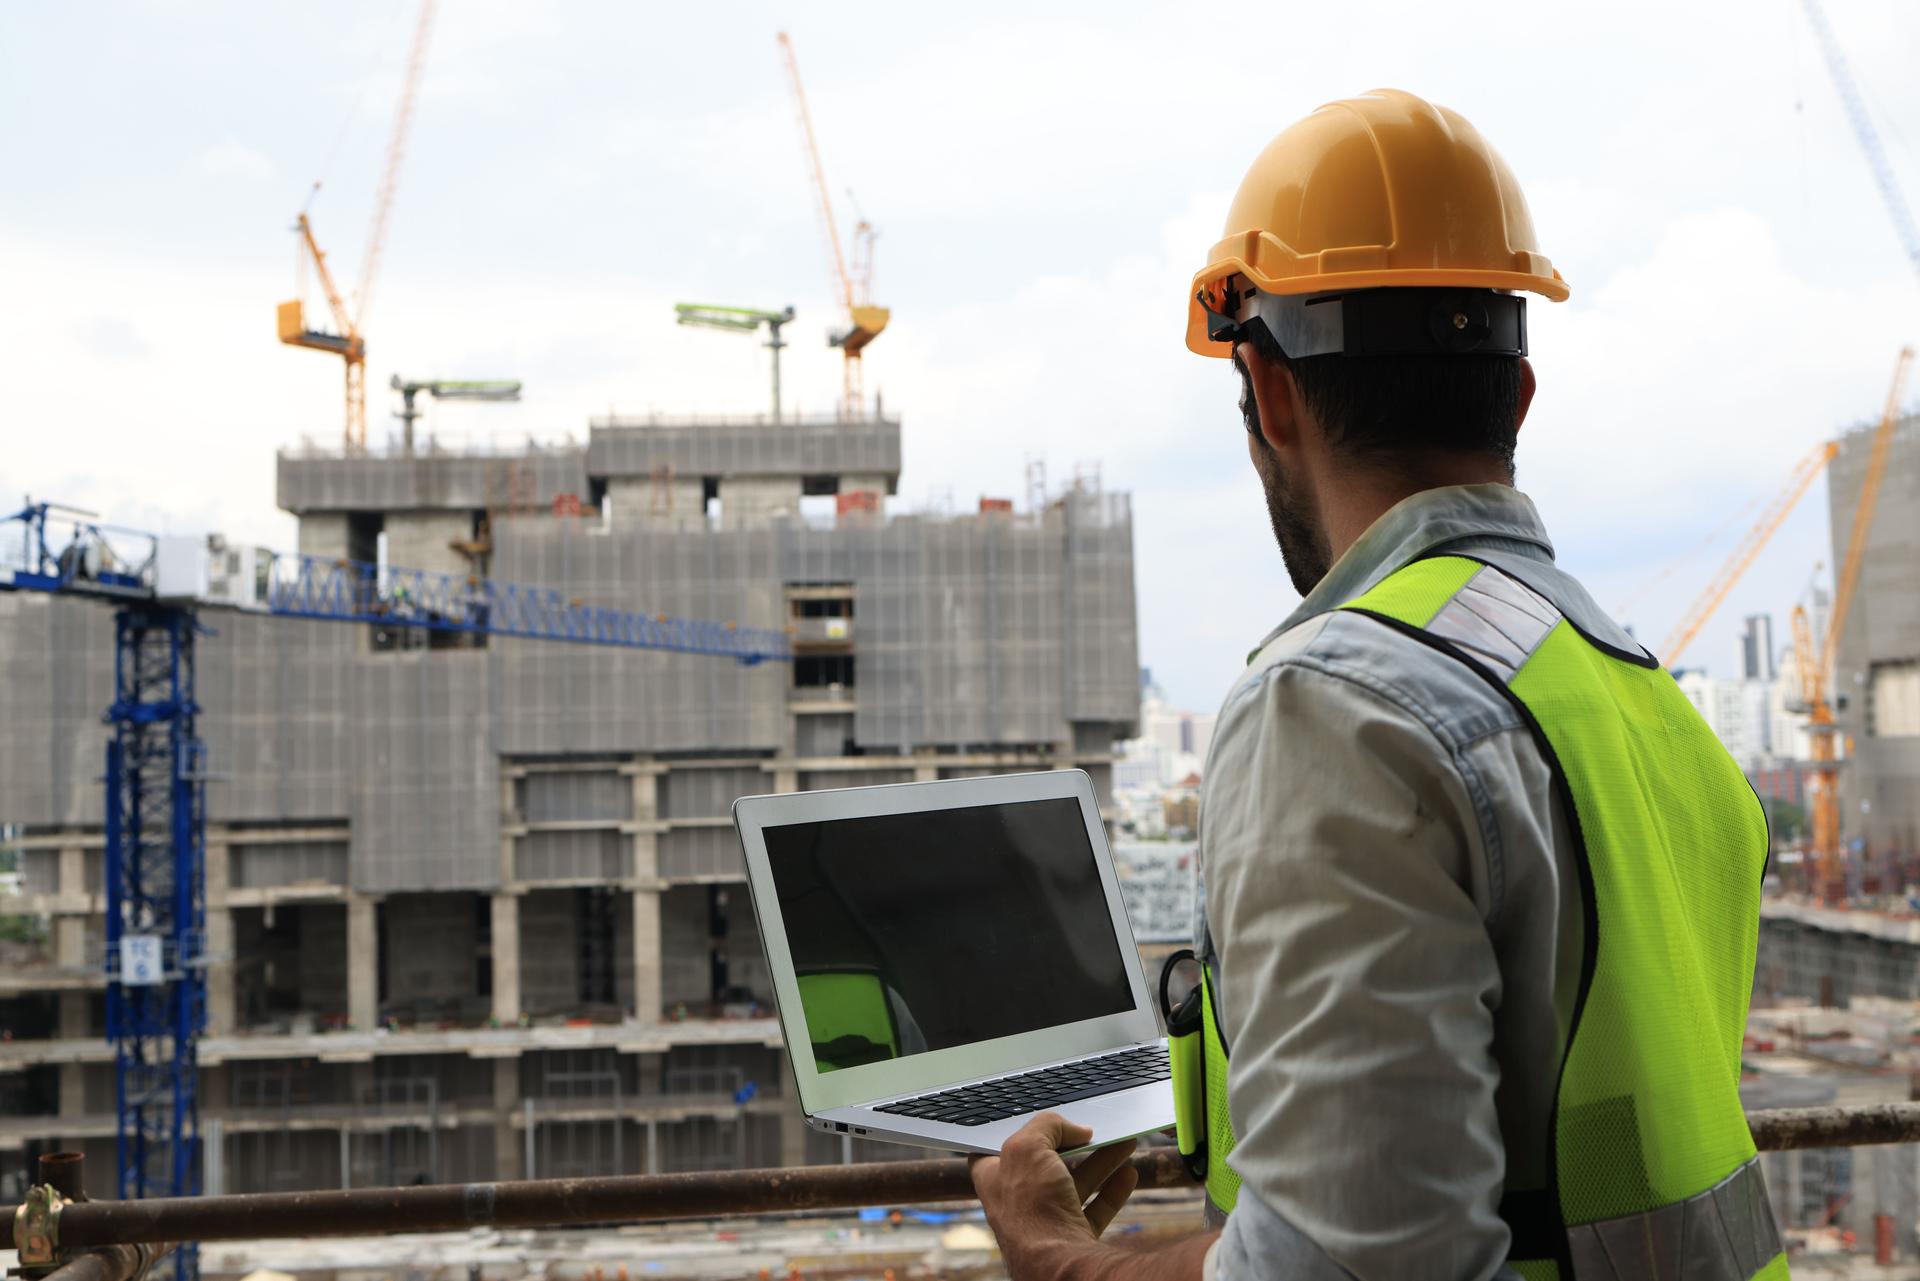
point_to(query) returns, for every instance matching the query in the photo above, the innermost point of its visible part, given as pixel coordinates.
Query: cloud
(1674, 392)
(232, 159)
(110, 338)
(571, 173)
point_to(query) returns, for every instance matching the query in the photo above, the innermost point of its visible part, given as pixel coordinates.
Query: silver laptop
(951, 958)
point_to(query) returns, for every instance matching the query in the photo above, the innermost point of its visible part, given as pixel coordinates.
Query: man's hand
(1046, 1214)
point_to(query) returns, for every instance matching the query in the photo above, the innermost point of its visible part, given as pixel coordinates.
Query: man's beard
(1303, 544)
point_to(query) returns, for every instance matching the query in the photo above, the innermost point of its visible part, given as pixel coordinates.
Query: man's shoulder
(1352, 656)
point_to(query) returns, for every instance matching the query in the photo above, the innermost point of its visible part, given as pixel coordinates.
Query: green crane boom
(448, 389)
(740, 320)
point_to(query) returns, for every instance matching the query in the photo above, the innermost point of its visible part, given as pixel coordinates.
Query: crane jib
(83, 558)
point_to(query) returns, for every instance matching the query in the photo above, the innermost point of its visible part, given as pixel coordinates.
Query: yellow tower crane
(851, 283)
(348, 338)
(1771, 518)
(1816, 666)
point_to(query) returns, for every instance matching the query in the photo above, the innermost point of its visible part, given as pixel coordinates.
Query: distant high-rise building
(1756, 651)
(1730, 711)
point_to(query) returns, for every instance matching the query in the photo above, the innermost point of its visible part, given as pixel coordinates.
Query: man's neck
(1356, 499)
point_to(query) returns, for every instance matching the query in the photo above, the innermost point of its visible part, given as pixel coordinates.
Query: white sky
(1045, 176)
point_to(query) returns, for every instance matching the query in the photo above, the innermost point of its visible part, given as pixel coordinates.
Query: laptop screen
(918, 932)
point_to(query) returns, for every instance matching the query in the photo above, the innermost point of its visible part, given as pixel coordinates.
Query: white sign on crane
(141, 962)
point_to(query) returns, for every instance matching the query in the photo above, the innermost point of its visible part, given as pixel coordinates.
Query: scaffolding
(476, 853)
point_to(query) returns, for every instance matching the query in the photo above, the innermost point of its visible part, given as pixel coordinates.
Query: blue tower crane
(156, 767)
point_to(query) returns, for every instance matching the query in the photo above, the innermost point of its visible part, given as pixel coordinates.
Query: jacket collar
(1459, 517)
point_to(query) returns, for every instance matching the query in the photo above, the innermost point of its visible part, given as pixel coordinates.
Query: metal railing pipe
(537, 1203)
(111, 1263)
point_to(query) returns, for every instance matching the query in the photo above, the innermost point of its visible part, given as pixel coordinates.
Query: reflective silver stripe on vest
(1726, 1233)
(1499, 621)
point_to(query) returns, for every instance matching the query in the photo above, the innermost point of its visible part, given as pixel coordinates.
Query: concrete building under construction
(1876, 678)
(475, 905)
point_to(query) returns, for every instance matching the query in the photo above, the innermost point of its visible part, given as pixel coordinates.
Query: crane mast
(850, 283)
(1816, 666)
(1863, 131)
(396, 153)
(154, 860)
(347, 340)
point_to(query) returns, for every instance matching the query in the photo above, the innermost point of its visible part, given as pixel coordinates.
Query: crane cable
(1686, 557)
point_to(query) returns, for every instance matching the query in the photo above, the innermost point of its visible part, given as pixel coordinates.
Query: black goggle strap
(1372, 322)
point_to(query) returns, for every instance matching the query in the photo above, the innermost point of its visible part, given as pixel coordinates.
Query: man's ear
(1276, 395)
(1527, 388)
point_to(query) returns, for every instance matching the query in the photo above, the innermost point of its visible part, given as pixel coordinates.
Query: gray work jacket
(1392, 904)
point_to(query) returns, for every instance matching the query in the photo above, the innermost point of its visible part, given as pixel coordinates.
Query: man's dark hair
(1388, 410)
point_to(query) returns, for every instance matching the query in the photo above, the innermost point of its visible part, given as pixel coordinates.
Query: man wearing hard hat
(1482, 889)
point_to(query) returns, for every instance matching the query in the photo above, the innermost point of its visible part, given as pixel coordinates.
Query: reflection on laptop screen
(917, 932)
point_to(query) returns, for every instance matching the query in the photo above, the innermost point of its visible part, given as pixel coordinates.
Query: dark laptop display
(918, 932)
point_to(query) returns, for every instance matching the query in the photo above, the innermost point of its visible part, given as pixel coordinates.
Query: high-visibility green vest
(1652, 1168)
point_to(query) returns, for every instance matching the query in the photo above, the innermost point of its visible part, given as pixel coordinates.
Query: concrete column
(73, 871)
(793, 1122)
(221, 1010)
(645, 869)
(508, 1157)
(926, 773)
(646, 955)
(70, 943)
(506, 959)
(786, 779)
(363, 963)
(646, 899)
(510, 817)
(646, 796)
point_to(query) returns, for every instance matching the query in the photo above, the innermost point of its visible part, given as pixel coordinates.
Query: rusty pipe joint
(36, 1230)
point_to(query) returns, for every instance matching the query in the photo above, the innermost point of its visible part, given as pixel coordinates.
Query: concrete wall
(1830, 967)
(319, 481)
(747, 501)
(323, 534)
(618, 448)
(424, 811)
(56, 677)
(424, 540)
(670, 502)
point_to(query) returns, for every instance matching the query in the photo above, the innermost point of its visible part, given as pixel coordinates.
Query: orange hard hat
(1381, 191)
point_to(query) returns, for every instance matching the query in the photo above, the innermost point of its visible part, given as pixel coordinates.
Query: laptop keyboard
(1035, 1091)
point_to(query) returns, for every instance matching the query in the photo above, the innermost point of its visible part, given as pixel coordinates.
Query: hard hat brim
(1551, 287)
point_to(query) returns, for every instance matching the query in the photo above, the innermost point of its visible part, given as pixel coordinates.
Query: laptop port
(841, 1126)
(858, 1130)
